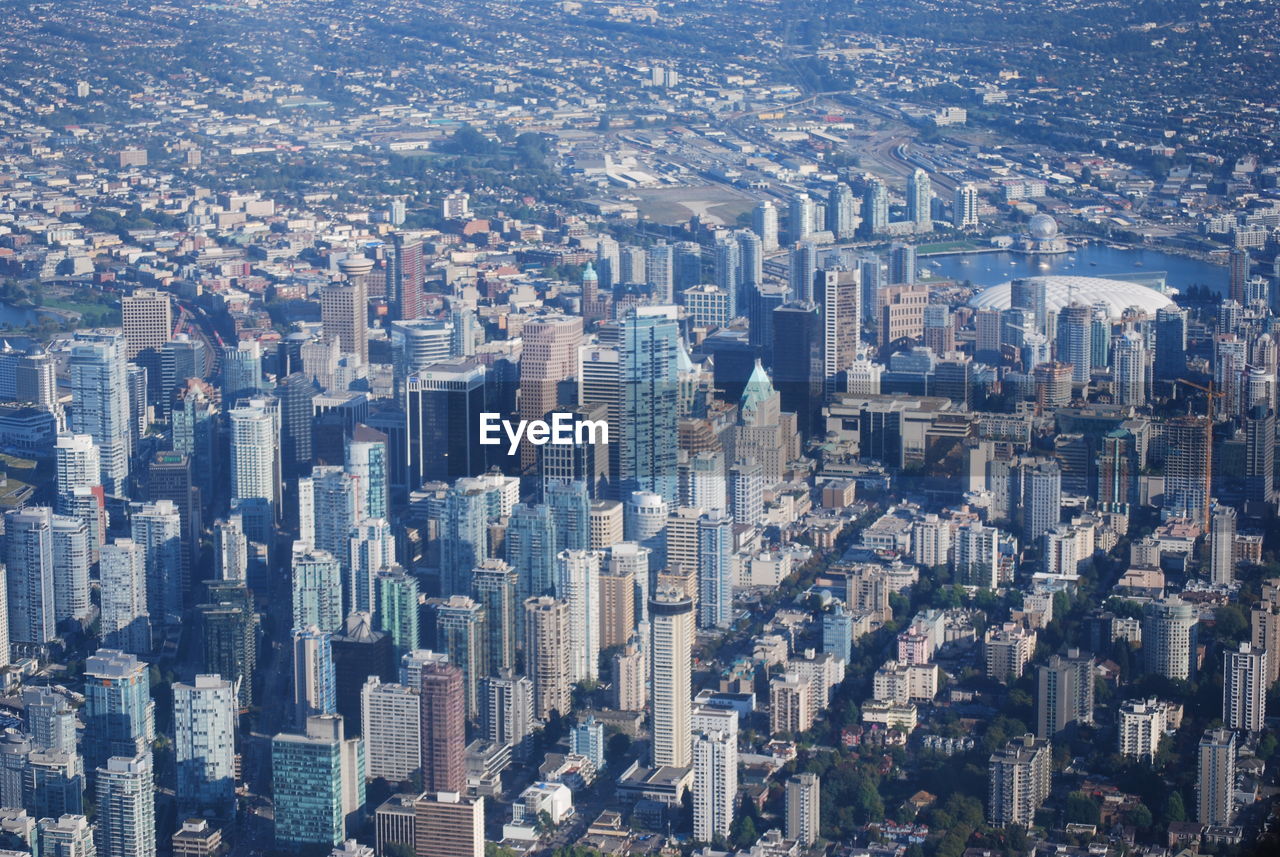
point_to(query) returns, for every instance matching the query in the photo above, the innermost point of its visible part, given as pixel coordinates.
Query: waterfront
(1092, 260)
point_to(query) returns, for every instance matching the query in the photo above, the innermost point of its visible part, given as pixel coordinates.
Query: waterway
(17, 316)
(1092, 260)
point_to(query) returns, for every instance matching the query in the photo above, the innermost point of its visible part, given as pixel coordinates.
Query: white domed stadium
(1060, 291)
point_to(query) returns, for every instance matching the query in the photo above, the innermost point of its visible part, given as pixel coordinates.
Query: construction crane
(1210, 394)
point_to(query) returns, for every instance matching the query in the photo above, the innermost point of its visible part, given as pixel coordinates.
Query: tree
(1081, 809)
(744, 836)
(1173, 808)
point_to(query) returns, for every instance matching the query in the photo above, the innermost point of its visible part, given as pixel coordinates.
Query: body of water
(1093, 260)
(15, 316)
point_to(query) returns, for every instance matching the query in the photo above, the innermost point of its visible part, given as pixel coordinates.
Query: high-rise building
(1216, 777)
(1041, 498)
(716, 570)
(920, 201)
(443, 722)
(842, 212)
(548, 358)
(124, 620)
(1142, 727)
(228, 634)
(1259, 457)
(1064, 693)
(803, 263)
(444, 402)
(464, 540)
(1239, 264)
(391, 718)
(1169, 638)
(578, 585)
(804, 806)
(530, 546)
(1130, 365)
(800, 217)
(460, 633)
(715, 784)
(446, 824)
(1171, 343)
(1244, 688)
(170, 478)
(1019, 781)
(670, 652)
(29, 576)
(406, 276)
(126, 817)
(507, 716)
(547, 654)
(316, 587)
(964, 213)
(1074, 342)
(627, 568)
(157, 529)
(318, 784)
(648, 414)
(837, 293)
(1222, 544)
(100, 403)
(314, 678)
(255, 466)
(494, 585)
(1187, 465)
(358, 653)
(764, 222)
(344, 316)
(798, 363)
(118, 712)
(875, 208)
(659, 273)
(204, 717)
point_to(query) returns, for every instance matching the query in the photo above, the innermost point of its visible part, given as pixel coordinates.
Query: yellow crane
(1210, 394)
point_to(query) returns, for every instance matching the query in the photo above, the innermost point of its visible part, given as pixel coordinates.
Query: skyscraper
(1041, 498)
(29, 576)
(126, 807)
(548, 358)
(803, 806)
(314, 679)
(391, 717)
(118, 712)
(1074, 343)
(344, 316)
(800, 217)
(715, 784)
(460, 633)
(1187, 466)
(1171, 343)
(1216, 777)
(1222, 544)
(660, 272)
(1169, 638)
(446, 824)
(671, 621)
(803, 265)
(157, 529)
(443, 722)
(494, 585)
(920, 201)
(798, 362)
(547, 654)
(875, 208)
(318, 784)
(100, 400)
(444, 403)
(204, 715)
(124, 621)
(255, 466)
(837, 294)
(1064, 693)
(530, 546)
(1130, 362)
(1019, 780)
(964, 214)
(1244, 688)
(464, 542)
(648, 413)
(764, 222)
(317, 588)
(406, 275)
(578, 585)
(716, 571)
